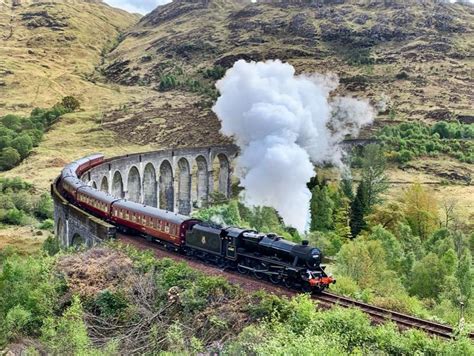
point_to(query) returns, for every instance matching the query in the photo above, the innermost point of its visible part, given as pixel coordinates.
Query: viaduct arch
(177, 180)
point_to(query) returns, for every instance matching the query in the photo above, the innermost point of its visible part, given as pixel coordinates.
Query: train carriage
(95, 201)
(87, 163)
(70, 185)
(161, 224)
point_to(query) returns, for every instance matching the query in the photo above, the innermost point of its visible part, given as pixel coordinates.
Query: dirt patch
(56, 162)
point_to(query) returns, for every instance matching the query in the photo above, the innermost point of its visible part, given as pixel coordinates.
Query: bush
(67, 335)
(110, 303)
(16, 321)
(215, 73)
(51, 246)
(413, 139)
(23, 144)
(14, 217)
(405, 156)
(28, 294)
(48, 224)
(44, 207)
(18, 135)
(167, 82)
(70, 103)
(345, 286)
(402, 76)
(9, 158)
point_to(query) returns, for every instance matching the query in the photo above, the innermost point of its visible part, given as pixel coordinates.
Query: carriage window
(167, 228)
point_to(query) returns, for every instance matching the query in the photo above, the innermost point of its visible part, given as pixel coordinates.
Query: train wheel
(259, 275)
(317, 290)
(306, 288)
(289, 283)
(241, 269)
(275, 278)
(221, 263)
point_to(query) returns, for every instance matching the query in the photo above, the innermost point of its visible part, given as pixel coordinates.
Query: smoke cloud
(284, 124)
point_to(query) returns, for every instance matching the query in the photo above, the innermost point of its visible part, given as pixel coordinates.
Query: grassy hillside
(51, 49)
(416, 56)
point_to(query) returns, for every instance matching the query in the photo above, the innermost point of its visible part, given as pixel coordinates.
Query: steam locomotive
(267, 256)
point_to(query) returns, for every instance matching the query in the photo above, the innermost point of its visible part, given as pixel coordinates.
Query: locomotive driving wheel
(275, 278)
(289, 283)
(258, 267)
(241, 267)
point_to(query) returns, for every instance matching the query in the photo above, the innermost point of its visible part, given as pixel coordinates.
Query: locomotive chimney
(305, 242)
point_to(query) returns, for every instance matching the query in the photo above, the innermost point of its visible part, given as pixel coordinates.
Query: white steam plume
(284, 123)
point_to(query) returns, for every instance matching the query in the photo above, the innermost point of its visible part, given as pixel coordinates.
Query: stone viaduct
(177, 180)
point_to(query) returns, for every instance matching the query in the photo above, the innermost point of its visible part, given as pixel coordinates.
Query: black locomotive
(262, 255)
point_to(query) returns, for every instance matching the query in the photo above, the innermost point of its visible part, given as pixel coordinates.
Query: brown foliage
(94, 270)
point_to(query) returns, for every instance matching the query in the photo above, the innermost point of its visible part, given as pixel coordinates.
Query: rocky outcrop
(43, 18)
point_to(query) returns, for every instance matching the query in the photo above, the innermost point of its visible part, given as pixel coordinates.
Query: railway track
(377, 314)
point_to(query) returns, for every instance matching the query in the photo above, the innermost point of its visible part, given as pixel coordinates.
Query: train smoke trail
(284, 123)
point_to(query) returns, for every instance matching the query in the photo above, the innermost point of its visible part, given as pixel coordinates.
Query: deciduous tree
(421, 210)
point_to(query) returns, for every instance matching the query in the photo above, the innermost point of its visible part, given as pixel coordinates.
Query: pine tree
(346, 187)
(342, 219)
(321, 209)
(358, 210)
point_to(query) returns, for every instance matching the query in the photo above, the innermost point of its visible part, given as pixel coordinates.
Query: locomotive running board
(256, 270)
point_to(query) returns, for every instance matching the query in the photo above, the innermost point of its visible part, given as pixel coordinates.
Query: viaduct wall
(74, 226)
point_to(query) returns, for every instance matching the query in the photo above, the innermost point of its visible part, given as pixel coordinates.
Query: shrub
(402, 76)
(12, 122)
(51, 246)
(215, 73)
(110, 303)
(405, 156)
(48, 224)
(167, 82)
(44, 207)
(14, 217)
(23, 144)
(67, 335)
(9, 158)
(17, 320)
(70, 103)
(345, 286)
(28, 293)
(22, 201)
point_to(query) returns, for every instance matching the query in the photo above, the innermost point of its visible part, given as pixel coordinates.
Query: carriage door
(231, 252)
